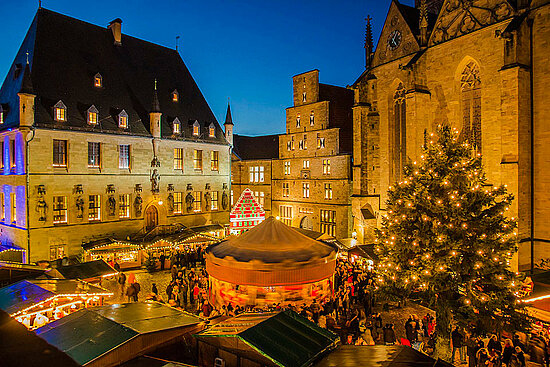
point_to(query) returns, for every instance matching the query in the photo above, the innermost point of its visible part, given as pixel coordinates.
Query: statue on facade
(170, 202)
(155, 181)
(207, 200)
(42, 209)
(138, 201)
(189, 200)
(225, 200)
(111, 205)
(79, 207)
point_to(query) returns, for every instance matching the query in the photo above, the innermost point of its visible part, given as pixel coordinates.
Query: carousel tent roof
(26, 293)
(271, 242)
(86, 270)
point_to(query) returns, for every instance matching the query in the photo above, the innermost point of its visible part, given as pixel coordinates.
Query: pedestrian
(154, 289)
(137, 288)
(121, 280)
(161, 259)
(130, 292)
(117, 266)
(519, 357)
(457, 340)
(471, 351)
(389, 334)
(507, 352)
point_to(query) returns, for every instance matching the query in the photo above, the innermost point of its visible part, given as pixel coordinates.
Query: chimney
(116, 27)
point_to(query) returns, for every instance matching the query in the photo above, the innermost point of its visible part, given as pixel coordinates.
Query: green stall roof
(85, 335)
(285, 338)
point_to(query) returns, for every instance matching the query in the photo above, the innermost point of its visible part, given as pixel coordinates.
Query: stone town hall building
(103, 134)
(484, 67)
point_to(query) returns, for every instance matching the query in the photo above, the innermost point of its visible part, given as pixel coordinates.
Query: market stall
(271, 263)
(246, 213)
(129, 255)
(35, 303)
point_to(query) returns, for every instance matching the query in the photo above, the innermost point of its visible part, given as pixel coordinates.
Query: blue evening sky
(245, 50)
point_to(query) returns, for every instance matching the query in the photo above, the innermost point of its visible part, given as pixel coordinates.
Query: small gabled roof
(256, 147)
(228, 117)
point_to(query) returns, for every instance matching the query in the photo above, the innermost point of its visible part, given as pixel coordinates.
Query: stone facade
(308, 185)
(485, 76)
(67, 182)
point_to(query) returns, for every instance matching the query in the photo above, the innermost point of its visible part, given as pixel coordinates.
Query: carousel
(269, 264)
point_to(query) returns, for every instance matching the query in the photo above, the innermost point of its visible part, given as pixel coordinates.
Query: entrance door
(151, 218)
(306, 223)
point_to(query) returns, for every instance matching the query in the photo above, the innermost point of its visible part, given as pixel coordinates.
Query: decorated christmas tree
(447, 238)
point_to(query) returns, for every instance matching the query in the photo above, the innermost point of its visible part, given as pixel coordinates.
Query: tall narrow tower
(26, 100)
(154, 125)
(368, 43)
(228, 125)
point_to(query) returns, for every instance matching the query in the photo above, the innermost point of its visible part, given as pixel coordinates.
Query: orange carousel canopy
(270, 254)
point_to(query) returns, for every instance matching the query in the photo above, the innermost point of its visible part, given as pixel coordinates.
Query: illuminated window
(94, 155)
(12, 154)
(304, 96)
(311, 119)
(13, 201)
(303, 143)
(123, 120)
(320, 142)
(124, 156)
(326, 166)
(2, 207)
(328, 191)
(92, 115)
(214, 160)
(176, 126)
(60, 153)
(60, 111)
(214, 202)
(305, 190)
(60, 209)
(178, 202)
(297, 120)
(286, 189)
(197, 160)
(287, 168)
(212, 131)
(57, 252)
(175, 95)
(231, 197)
(178, 158)
(196, 129)
(197, 195)
(94, 208)
(124, 206)
(328, 222)
(285, 212)
(1, 115)
(305, 164)
(98, 80)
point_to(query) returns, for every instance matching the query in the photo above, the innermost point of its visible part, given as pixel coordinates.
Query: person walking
(121, 280)
(137, 288)
(507, 352)
(457, 339)
(162, 258)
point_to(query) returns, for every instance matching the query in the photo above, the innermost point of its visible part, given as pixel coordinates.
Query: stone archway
(306, 223)
(151, 218)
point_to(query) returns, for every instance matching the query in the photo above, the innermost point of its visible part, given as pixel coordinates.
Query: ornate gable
(397, 39)
(459, 17)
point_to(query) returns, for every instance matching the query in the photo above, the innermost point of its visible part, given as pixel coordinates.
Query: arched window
(470, 88)
(196, 128)
(399, 131)
(123, 120)
(60, 111)
(98, 80)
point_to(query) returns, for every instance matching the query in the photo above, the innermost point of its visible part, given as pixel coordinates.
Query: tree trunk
(443, 330)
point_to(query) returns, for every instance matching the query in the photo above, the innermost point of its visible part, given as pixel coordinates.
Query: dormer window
(123, 120)
(60, 111)
(175, 96)
(98, 80)
(92, 115)
(196, 129)
(176, 126)
(211, 131)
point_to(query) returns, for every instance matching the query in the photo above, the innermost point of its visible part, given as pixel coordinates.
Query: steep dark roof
(412, 17)
(228, 118)
(256, 147)
(26, 83)
(66, 53)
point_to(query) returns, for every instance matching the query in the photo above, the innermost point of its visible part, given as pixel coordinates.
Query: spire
(368, 43)
(228, 118)
(156, 105)
(26, 83)
(423, 23)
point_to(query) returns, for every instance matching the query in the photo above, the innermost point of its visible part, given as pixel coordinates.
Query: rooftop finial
(423, 23)
(177, 39)
(368, 42)
(39, 4)
(27, 53)
(155, 83)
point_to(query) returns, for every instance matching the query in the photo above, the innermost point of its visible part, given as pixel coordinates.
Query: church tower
(228, 124)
